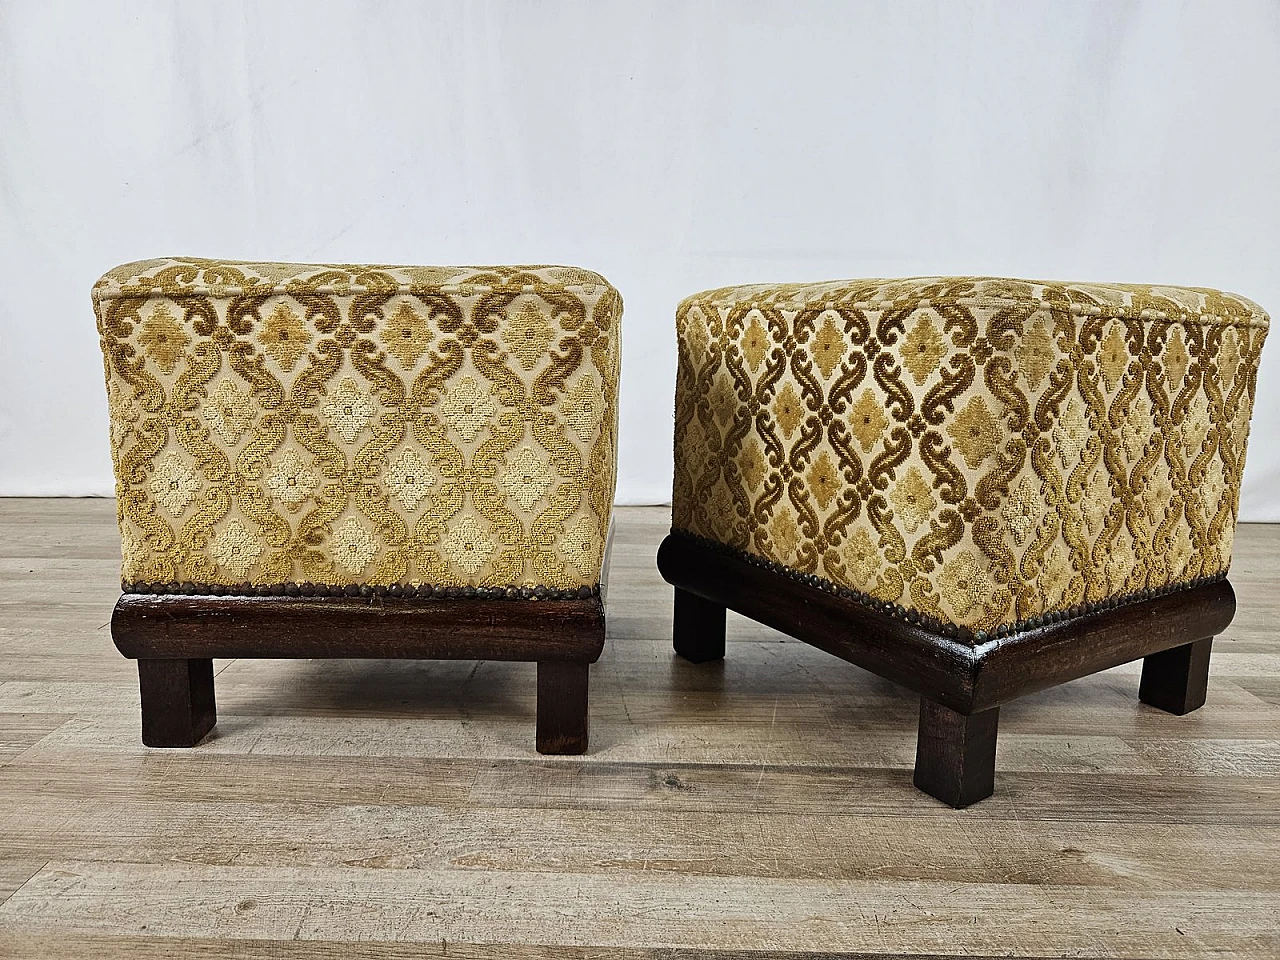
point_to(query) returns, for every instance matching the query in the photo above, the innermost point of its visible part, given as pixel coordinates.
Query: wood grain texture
(146, 625)
(757, 807)
(956, 753)
(563, 720)
(966, 676)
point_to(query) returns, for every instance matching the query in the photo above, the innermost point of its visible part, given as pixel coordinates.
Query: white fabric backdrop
(672, 146)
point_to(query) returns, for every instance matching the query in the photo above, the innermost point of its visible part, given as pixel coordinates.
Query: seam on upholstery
(126, 293)
(1259, 321)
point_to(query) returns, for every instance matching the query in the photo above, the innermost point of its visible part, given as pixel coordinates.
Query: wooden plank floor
(761, 807)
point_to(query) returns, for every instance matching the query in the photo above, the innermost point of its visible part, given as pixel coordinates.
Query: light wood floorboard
(761, 807)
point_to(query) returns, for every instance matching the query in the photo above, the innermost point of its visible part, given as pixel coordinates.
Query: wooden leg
(698, 628)
(1177, 680)
(177, 701)
(562, 706)
(956, 754)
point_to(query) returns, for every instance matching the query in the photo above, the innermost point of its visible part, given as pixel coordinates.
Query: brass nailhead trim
(408, 590)
(916, 618)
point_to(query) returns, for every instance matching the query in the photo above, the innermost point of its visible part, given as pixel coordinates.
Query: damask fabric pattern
(373, 425)
(976, 452)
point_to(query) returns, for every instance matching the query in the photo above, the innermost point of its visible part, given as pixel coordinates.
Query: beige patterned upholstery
(280, 424)
(976, 452)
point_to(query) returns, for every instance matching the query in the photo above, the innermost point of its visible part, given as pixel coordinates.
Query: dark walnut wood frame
(962, 680)
(174, 638)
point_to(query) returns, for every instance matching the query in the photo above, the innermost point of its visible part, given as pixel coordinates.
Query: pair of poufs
(977, 488)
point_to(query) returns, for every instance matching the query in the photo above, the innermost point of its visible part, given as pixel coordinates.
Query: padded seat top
(1134, 301)
(170, 276)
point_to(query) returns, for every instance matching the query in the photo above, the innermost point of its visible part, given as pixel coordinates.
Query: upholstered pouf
(360, 461)
(976, 488)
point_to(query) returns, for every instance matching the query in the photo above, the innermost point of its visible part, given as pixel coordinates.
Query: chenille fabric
(979, 451)
(374, 425)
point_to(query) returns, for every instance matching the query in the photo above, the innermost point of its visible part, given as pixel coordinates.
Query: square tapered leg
(562, 706)
(698, 628)
(178, 708)
(1177, 680)
(956, 753)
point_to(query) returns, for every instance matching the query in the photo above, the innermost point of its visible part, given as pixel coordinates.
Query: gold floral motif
(174, 484)
(1176, 360)
(1158, 496)
(1118, 563)
(314, 440)
(923, 348)
(410, 479)
(582, 545)
(349, 410)
(1043, 446)
(1056, 575)
(1180, 550)
(785, 534)
(1214, 487)
(828, 347)
(163, 339)
(353, 545)
(1136, 428)
(468, 545)
(407, 335)
(284, 336)
(1035, 353)
(862, 559)
(468, 409)
(124, 414)
(290, 481)
(788, 409)
(228, 412)
(751, 464)
(1114, 358)
(1097, 503)
(824, 480)
(965, 584)
(867, 420)
(1071, 433)
(527, 334)
(1228, 357)
(977, 433)
(1193, 432)
(724, 402)
(755, 343)
(527, 478)
(236, 548)
(695, 335)
(581, 407)
(1021, 510)
(913, 499)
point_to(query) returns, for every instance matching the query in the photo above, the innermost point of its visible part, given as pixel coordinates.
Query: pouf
(360, 461)
(975, 487)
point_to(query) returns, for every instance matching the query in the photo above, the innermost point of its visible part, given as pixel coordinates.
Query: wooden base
(962, 680)
(177, 701)
(956, 754)
(174, 639)
(1177, 680)
(698, 629)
